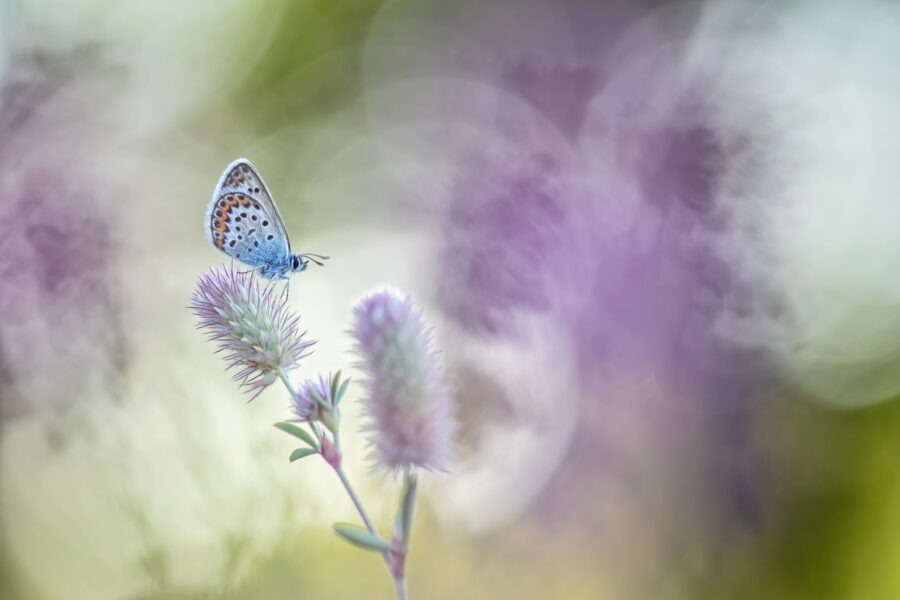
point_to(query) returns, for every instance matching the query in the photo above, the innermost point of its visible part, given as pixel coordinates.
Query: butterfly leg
(244, 272)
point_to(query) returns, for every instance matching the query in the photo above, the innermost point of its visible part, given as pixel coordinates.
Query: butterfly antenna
(313, 258)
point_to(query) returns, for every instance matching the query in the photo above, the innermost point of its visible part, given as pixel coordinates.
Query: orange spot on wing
(230, 202)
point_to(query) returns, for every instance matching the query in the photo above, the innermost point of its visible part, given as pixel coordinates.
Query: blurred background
(659, 242)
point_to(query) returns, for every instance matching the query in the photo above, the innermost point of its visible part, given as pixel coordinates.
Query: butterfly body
(243, 221)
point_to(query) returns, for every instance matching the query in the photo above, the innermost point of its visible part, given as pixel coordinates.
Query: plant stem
(400, 581)
(337, 438)
(287, 382)
(410, 486)
(356, 501)
(339, 470)
(406, 512)
(401, 588)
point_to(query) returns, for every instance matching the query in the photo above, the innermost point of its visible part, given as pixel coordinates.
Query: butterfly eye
(295, 262)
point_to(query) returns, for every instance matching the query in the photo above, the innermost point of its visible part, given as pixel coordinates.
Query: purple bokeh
(613, 237)
(58, 290)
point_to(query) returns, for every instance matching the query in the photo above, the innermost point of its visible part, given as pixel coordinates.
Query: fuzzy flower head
(408, 403)
(319, 399)
(310, 397)
(251, 323)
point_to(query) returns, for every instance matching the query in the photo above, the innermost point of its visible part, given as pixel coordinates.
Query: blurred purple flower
(250, 322)
(609, 229)
(560, 93)
(408, 402)
(503, 234)
(54, 256)
(58, 251)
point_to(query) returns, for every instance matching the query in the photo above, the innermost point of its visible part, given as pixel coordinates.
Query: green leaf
(340, 392)
(302, 453)
(407, 508)
(331, 420)
(298, 432)
(398, 526)
(360, 537)
(320, 400)
(334, 387)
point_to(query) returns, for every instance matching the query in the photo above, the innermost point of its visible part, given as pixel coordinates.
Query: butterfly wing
(242, 219)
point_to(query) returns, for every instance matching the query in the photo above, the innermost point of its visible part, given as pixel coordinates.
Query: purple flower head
(408, 403)
(250, 322)
(307, 402)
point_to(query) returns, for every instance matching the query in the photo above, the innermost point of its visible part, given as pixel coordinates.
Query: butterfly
(243, 222)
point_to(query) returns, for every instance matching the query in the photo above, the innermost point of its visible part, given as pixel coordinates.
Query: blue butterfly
(243, 222)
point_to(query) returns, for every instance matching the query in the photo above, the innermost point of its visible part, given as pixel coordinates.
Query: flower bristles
(250, 322)
(408, 404)
(310, 397)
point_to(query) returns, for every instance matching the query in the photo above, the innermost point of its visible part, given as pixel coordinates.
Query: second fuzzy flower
(408, 403)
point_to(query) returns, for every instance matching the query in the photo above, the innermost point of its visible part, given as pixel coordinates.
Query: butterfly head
(299, 262)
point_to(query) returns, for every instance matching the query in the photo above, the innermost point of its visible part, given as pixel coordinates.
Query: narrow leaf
(340, 392)
(398, 525)
(334, 386)
(298, 432)
(320, 400)
(407, 508)
(360, 537)
(301, 453)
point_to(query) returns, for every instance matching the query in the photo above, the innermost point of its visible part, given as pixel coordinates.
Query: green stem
(410, 486)
(410, 480)
(401, 588)
(356, 501)
(337, 439)
(287, 382)
(407, 511)
(401, 584)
